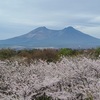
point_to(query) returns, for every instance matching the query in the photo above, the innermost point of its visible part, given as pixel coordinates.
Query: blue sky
(18, 17)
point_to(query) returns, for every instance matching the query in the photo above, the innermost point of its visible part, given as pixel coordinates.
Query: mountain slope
(43, 37)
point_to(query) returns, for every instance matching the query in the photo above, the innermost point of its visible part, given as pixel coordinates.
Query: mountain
(42, 37)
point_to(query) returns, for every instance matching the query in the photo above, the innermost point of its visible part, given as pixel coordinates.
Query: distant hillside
(46, 38)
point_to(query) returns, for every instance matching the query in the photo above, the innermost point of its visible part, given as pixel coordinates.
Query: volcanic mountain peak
(43, 37)
(40, 28)
(69, 28)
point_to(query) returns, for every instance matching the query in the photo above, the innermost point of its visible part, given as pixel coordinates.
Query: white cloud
(93, 31)
(95, 20)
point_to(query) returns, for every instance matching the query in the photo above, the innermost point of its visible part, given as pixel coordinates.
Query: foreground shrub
(7, 53)
(49, 55)
(97, 52)
(67, 52)
(43, 97)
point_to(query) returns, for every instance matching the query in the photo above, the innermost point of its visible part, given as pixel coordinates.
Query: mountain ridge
(68, 37)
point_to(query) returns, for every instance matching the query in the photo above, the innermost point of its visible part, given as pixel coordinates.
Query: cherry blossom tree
(73, 78)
